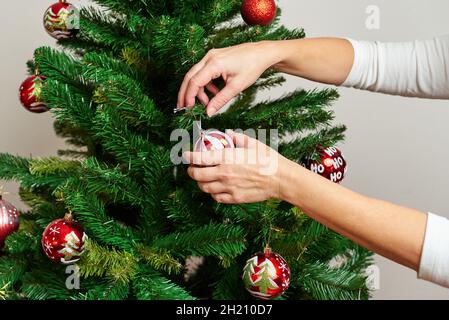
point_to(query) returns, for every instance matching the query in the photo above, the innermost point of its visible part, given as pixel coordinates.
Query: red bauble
(258, 12)
(331, 166)
(61, 20)
(31, 94)
(63, 241)
(9, 220)
(266, 275)
(213, 140)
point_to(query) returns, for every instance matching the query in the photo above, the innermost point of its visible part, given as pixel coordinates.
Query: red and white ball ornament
(9, 220)
(332, 165)
(30, 94)
(213, 140)
(266, 275)
(61, 20)
(258, 12)
(63, 240)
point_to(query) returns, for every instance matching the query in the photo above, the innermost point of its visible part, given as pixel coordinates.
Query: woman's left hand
(249, 173)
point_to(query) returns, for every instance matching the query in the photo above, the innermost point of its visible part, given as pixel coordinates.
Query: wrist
(285, 179)
(274, 51)
(287, 51)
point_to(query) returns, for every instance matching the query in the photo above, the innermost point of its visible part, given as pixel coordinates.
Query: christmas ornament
(31, 94)
(61, 20)
(332, 164)
(9, 220)
(266, 275)
(63, 240)
(213, 140)
(258, 12)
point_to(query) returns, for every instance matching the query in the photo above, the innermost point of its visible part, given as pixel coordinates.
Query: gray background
(396, 147)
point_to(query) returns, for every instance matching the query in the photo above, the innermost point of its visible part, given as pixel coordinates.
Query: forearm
(326, 60)
(387, 229)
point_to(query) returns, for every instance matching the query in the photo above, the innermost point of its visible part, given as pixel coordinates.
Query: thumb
(222, 97)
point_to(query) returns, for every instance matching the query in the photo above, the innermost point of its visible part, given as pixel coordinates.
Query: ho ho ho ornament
(330, 164)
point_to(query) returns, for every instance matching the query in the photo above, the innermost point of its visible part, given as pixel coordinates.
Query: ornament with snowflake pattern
(63, 241)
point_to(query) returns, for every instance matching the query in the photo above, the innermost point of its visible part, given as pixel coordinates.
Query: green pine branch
(91, 213)
(230, 285)
(99, 261)
(303, 147)
(47, 166)
(104, 289)
(325, 283)
(209, 240)
(160, 260)
(150, 285)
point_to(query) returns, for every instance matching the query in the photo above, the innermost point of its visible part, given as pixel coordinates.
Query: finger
(202, 96)
(212, 187)
(203, 174)
(212, 88)
(223, 198)
(221, 98)
(243, 141)
(209, 158)
(193, 71)
(200, 80)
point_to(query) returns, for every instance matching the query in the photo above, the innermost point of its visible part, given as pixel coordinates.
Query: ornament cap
(68, 217)
(267, 251)
(2, 192)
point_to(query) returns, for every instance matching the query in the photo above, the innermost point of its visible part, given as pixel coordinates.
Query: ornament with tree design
(266, 275)
(31, 94)
(61, 20)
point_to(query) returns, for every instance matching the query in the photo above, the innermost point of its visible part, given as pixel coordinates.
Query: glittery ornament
(258, 12)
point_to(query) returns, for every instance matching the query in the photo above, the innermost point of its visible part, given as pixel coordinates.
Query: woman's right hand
(240, 66)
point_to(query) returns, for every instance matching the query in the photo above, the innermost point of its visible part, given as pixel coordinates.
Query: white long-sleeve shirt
(412, 69)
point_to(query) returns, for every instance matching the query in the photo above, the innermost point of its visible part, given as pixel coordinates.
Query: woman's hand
(249, 173)
(239, 66)
(324, 60)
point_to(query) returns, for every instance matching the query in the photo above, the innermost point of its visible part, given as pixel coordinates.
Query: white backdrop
(396, 147)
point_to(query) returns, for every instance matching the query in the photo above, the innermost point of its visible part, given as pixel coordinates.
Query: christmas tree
(152, 234)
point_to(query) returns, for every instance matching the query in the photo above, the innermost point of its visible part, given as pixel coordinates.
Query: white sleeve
(434, 265)
(413, 69)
